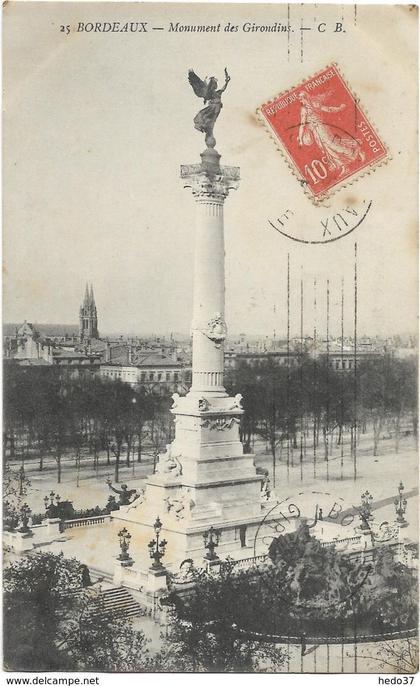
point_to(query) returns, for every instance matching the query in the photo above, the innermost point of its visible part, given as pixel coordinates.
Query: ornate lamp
(365, 510)
(211, 541)
(49, 502)
(24, 512)
(157, 548)
(125, 538)
(401, 506)
(21, 479)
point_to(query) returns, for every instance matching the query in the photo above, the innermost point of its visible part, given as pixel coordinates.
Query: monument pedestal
(204, 479)
(23, 541)
(156, 580)
(119, 571)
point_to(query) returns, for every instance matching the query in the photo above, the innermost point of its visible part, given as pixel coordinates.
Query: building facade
(151, 370)
(29, 349)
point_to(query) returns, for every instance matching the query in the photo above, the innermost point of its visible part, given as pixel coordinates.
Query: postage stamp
(326, 136)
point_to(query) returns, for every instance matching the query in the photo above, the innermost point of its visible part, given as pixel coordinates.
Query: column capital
(210, 186)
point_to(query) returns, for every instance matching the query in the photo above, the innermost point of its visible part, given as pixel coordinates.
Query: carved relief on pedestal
(138, 499)
(237, 402)
(186, 571)
(219, 423)
(203, 404)
(169, 465)
(180, 507)
(265, 493)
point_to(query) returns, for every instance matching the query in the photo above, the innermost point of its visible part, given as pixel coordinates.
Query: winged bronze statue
(205, 119)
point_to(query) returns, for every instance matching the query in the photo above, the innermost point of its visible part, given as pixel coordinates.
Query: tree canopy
(48, 414)
(308, 589)
(53, 623)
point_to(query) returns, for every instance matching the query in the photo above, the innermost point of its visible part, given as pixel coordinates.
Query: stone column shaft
(209, 296)
(209, 188)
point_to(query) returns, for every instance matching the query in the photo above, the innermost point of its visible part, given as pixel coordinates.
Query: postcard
(210, 338)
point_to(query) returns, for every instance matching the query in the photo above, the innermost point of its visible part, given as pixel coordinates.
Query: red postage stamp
(323, 131)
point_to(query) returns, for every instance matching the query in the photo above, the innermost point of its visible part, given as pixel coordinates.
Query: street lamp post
(365, 510)
(125, 538)
(21, 479)
(156, 547)
(49, 502)
(25, 512)
(134, 403)
(401, 506)
(211, 541)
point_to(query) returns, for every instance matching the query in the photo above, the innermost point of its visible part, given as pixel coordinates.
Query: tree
(243, 379)
(320, 586)
(388, 390)
(100, 640)
(117, 409)
(38, 592)
(53, 623)
(388, 598)
(269, 412)
(401, 655)
(160, 424)
(307, 589)
(403, 394)
(15, 489)
(142, 412)
(308, 584)
(205, 629)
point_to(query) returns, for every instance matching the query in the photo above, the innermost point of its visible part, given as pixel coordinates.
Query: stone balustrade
(248, 562)
(87, 521)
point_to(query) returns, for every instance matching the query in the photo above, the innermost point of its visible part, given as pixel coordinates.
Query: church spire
(86, 298)
(88, 317)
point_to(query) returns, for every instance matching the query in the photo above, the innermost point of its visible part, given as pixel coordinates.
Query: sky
(96, 126)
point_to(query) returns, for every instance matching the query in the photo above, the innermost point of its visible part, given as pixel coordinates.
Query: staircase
(118, 601)
(112, 600)
(97, 574)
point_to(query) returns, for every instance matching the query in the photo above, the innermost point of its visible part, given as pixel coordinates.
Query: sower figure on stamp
(339, 150)
(204, 121)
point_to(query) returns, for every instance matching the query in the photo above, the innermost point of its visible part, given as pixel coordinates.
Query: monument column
(204, 479)
(210, 184)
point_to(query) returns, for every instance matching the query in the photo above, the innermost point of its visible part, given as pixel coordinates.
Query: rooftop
(151, 359)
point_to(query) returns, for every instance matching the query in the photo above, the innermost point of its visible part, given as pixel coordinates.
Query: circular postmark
(325, 225)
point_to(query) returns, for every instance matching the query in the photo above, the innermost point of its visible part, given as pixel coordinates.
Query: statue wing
(199, 87)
